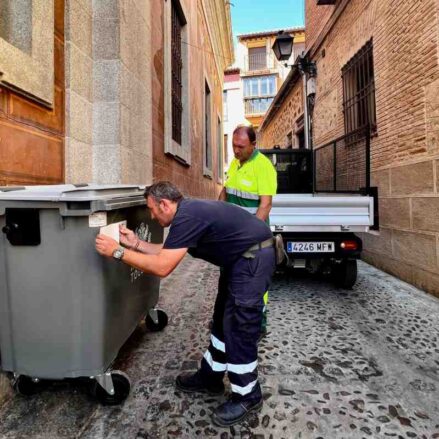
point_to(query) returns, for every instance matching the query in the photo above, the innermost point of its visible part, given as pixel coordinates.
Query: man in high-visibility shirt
(251, 182)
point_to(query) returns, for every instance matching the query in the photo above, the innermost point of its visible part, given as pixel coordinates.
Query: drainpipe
(309, 90)
(305, 106)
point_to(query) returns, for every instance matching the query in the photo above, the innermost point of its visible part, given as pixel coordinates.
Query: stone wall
(405, 151)
(108, 77)
(79, 90)
(284, 121)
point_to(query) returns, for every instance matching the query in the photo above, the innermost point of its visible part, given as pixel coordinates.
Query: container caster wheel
(26, 386)
(120, 388)
(156, 322)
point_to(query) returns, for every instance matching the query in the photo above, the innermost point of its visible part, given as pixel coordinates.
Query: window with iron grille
(219, 150)
(257, 58)
(359, 91)
(177, 66)
(207, 131)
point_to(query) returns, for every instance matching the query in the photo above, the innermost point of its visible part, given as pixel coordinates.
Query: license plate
(310, 247)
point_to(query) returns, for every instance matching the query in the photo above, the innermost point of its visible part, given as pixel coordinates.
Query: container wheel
(26, 386)
(160, 324)
(345, 274)
(121, 385)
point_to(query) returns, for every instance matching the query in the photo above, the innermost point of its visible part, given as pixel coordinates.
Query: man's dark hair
(249, 130)
(163, 190)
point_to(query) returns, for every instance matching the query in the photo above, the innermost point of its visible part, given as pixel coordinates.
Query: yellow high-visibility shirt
(245, 184)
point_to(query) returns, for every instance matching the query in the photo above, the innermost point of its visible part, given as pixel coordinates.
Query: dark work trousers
(237, 319)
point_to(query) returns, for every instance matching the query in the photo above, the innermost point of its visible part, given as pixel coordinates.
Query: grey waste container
(65, 311)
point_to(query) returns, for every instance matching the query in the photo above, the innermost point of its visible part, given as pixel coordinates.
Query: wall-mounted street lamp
(282, 48)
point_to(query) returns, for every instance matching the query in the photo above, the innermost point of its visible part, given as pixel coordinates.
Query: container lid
(69, 192)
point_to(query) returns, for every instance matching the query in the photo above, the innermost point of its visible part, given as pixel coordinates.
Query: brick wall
(284, 121)
(315, 19)
(202, 64)
(405, 152)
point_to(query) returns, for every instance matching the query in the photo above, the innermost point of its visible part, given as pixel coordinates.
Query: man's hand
(105, 245)
(264, 208)
(127, 237)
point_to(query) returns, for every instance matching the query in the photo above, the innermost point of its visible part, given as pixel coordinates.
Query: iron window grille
(359, 106)
(207, 121)
(219, 151)
(177, 24)
(257, 58)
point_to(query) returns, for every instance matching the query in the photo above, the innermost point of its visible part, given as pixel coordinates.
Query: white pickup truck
(319, 228)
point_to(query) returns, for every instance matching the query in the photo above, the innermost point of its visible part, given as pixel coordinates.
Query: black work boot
(198, 383)
(234, 411)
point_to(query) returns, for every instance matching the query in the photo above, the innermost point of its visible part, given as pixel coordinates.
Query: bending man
(242, 245)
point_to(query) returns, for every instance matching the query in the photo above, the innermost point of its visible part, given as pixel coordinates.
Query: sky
(258, 15)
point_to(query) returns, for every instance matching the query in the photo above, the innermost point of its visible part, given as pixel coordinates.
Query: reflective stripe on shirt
(242, 194)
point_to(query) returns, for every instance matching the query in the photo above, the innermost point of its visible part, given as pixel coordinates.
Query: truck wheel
(121, 385)
(157, 326)
(345, 274)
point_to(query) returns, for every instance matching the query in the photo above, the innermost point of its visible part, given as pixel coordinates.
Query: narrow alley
(335, 364)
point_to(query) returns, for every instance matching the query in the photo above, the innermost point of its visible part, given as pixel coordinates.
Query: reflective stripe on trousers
(237, 322)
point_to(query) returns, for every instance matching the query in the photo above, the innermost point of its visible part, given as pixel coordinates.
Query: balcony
(257, 106)
(259, 63)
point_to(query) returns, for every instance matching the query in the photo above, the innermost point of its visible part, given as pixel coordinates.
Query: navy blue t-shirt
(215, 231)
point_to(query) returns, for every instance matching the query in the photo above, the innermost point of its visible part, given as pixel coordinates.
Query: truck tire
(345, 273)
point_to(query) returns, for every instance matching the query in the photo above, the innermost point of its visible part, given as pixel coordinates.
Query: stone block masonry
(405, 150)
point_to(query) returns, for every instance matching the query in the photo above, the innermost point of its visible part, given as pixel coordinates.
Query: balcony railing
(257, 105)
(259, 61)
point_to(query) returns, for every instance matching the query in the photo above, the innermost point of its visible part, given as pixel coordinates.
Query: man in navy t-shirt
(242, 245)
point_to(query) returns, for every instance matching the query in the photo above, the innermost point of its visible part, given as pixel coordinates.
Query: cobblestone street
(336, 364)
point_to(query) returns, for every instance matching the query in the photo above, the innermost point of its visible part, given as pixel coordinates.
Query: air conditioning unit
(325, 2)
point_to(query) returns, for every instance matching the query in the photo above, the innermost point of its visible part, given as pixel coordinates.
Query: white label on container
(112, 230)
(97, 219)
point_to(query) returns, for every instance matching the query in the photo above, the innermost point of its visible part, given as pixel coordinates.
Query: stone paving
(336, 364)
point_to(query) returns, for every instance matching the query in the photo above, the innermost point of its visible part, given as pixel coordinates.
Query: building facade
(283, 125)
(113, 91)
(251, 85)
(262, 75)
(233, 109)
(377, 65)
(86, 91)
